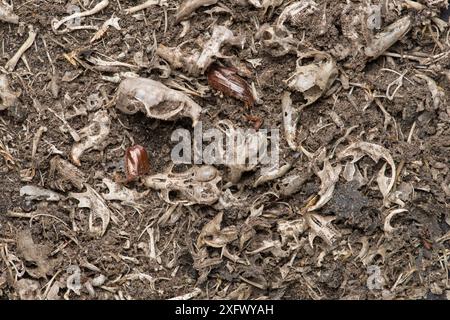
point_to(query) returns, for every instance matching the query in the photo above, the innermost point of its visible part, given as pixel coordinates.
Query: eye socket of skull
(174, 195)
(94, 129)
(129, 108)
(267, 35)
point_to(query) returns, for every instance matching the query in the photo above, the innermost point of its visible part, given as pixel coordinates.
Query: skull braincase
(278, 42)
(198, 185)
(314, 79)
(156, 100)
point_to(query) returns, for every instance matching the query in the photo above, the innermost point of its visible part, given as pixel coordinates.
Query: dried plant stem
(36, 139)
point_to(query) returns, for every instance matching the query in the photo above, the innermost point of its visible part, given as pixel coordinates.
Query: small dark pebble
(27, 206)
(445, 14)
(19, 112)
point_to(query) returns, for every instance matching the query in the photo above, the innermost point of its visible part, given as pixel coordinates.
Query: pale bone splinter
(99, 7)
(11, 64)
(145, 5)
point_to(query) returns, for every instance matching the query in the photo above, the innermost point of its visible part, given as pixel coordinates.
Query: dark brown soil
(412, 260)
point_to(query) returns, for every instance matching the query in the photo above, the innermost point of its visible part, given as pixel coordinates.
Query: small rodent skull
(198, 185)
(313, 79)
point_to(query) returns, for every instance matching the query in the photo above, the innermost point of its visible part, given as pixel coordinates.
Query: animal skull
(156, 100)
(197, 185)
(314, 79)
(7, 14)
(8, 97)
(385, 39)
(278, 42)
